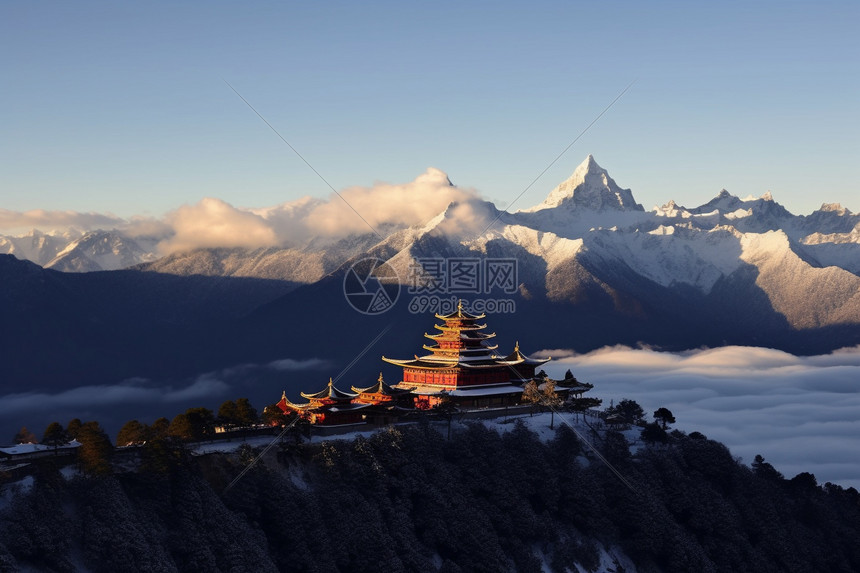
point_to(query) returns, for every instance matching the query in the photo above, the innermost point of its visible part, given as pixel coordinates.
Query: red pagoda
(387, 403)
(463, 366)
(382, 393)
(327, 407)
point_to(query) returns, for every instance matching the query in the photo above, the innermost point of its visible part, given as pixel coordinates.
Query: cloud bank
(802, 413)
(212, 222)
(11, 221)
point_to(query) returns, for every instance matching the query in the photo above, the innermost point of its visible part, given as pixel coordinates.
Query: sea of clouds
(802, 413)
(145, 400)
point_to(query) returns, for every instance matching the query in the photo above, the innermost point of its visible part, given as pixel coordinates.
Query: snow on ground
(10, 490)
(69, 472)
(226, 446)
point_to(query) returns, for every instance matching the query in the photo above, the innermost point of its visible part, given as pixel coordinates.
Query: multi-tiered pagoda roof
(381, 391)
(463, 356)
(328, 406)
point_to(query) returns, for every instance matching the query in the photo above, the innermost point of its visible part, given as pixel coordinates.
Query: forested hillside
(408, 499)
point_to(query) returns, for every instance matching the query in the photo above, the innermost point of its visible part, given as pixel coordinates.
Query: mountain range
(593, 268)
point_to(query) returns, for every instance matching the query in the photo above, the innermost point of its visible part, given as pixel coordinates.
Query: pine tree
(202, 422)
(132, 433)
(654, 433)
(73, 428)
(95, 449)
(228, 414)
(25, 436)
(246, 413)
(664, 415)
(628, 410)
(54, 435)
(181, 428)
(158, 429)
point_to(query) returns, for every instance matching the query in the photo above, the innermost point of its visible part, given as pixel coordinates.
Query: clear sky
(121, 107)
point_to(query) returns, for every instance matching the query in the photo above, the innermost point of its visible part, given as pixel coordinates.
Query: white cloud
(203, 387)
(802, 413)
(22, 221)
(146, 392)
(406, 204)
(212, 222)
(215, 223)
(134, 391)
(290, 364)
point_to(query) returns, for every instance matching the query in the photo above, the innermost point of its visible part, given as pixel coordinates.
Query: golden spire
(460, 305)
(330, 382)
(380, 378)
(517, 346)
(284, 395)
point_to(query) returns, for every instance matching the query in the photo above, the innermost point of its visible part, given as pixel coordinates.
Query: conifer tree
(54, 435)
(25, 436)
(228, 414)
(664, 415)
(158, 429)
(246, 413)
(180, 427)
(132, 433)
(95, 449)
(73, 428)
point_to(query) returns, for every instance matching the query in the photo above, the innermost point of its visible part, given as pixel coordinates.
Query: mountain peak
(834, 207)
(589, 187)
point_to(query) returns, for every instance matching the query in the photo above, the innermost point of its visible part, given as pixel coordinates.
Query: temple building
(329, 406)
(387, 403)
(382, 393)
(464, 367)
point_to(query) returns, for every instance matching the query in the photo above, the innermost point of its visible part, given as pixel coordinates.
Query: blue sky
(121, 108)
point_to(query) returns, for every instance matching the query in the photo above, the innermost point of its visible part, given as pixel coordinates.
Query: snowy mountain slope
(830, 219)
(270, 263)
(807, 296)
(298, 265)
(99, 251)
(750, 215)
(581, 246)
(834, 249)
(36, 246)
(590, 187)
(670, 255)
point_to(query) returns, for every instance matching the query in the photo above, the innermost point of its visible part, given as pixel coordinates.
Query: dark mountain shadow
(64, 329)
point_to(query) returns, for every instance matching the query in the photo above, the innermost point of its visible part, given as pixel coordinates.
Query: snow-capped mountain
(589, 234)
(78, 251)
(99, 251)
(588, 241)
(593, 270)
(302, 265)
(37, 246)
(590, 187)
